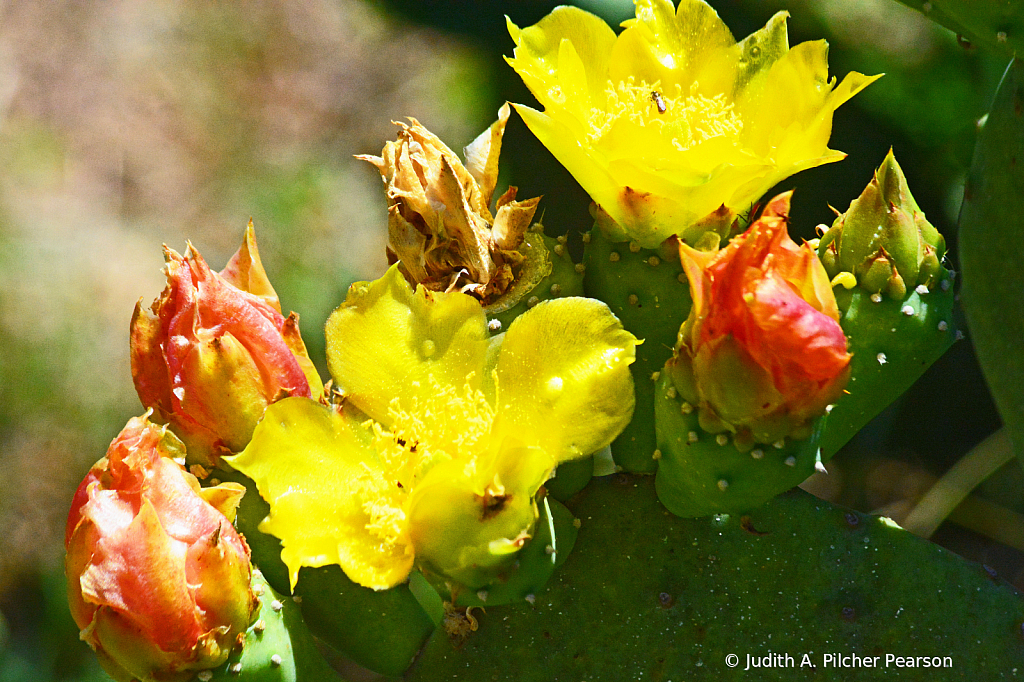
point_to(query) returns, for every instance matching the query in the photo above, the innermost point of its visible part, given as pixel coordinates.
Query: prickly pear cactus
(266, 549)
(383, 631)
(893, 342)
(759, 359)
(701, 474)
(570, 478)
(992, 251)
(647, 290)
(379, 630)
(678, 596)
(546, 551)
(895, 298)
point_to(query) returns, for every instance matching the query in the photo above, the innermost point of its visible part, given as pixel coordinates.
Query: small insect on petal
(659, 101)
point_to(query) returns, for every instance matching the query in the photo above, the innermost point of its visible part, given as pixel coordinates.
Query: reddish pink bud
(158, 579)
(762, 353)
(215, 350)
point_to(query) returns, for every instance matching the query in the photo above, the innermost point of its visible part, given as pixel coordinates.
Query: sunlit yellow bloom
(445, 435)
(673, 118)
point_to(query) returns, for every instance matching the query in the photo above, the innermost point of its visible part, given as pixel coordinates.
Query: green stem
(991, 520)
(950, 490)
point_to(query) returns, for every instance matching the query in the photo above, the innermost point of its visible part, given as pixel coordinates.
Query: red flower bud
(762, 353)
(158, 579)
(215, 350)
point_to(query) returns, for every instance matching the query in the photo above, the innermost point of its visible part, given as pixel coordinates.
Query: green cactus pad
(563, 280)
(534, 564)
(265, 549)
(698, 476)
(570, 478)
(647, 290)
(992, 252)
(994, 24)
(277, 646)
(649, 596)
(379, 630)
(891, 350)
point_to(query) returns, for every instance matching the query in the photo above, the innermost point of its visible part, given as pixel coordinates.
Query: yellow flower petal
(666, 44)
(466, 521)
(807, 109)
(538, 65)
(573, 88)
(319, 472)
(672, 119)
(464, 429)
(224, 497)
(563, 378)
(386, 342)
(553, 133)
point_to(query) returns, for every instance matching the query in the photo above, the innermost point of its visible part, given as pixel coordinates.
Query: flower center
(443, 425)
(686, 120)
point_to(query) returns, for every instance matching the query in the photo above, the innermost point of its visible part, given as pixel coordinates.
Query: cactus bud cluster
(894, 294)
(727, 360)
(884, 239)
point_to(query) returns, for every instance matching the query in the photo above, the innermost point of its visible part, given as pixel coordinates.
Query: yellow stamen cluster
(686, 120)
(419, 438)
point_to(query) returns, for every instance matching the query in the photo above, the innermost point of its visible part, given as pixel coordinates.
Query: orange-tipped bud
(158, 579)
(214, 350)
(762, 353)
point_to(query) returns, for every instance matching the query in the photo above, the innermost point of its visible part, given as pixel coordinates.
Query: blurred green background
(127, 124)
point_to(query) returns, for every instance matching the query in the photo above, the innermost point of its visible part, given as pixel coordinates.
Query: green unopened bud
(895, 298)
(884, 238)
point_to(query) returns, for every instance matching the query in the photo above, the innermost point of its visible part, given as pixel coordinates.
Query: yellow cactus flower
(445, 435)
(672, 119)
